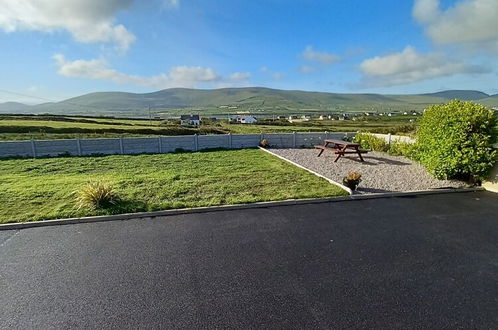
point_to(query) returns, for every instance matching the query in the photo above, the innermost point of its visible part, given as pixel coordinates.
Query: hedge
(454, 140)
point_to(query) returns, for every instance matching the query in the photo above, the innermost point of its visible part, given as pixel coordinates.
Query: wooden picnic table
(341, 148)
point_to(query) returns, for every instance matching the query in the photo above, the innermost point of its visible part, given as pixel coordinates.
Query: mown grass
(35, 189)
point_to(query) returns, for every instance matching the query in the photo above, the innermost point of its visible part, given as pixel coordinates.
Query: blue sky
(55, 49)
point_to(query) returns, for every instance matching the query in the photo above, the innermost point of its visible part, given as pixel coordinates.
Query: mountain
(461, 95)
(253, 99)
(14, 107)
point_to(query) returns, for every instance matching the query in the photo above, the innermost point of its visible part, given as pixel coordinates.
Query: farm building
(190, 120)
(243, 119)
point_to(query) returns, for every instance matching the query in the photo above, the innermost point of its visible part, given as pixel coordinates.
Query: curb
(165, 213)
(343, 187)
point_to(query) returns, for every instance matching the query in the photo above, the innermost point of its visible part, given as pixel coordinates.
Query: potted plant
(352, 180)
(264, 143)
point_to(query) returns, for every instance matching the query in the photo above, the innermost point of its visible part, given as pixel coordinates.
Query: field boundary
(166, 213)
(160, 144)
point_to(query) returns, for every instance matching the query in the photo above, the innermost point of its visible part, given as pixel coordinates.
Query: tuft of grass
(96, 195)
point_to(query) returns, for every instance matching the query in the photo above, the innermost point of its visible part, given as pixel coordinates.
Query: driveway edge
(140, 215)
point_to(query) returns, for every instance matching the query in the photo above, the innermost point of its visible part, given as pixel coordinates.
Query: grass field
(60, 127)
(35, 189)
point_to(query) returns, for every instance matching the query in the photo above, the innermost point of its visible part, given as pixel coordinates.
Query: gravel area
(380, 171)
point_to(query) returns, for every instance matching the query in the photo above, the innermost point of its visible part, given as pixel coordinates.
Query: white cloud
(86, 20)
(323, 58)
(179, 76)
(470, 22)
(277, 75)
(171, 3)
(273, 74)
(98, 69)
(410, 66)
(306, 69)
(240, 76)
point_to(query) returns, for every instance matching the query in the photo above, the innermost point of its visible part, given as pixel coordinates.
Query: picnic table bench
(341, 148)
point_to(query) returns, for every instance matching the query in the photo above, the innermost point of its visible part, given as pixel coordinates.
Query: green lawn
(35, 189)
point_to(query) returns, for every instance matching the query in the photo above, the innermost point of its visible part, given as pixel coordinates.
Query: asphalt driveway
(417, 262)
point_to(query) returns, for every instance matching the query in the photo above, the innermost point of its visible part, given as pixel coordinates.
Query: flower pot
(351, 184)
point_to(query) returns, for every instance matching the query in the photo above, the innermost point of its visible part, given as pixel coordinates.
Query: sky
(55, 49)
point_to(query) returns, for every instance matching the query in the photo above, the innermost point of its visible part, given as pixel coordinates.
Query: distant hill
(461, 95)
(253, 99)
(13, 107)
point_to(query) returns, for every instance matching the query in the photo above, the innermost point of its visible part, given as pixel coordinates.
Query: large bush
(454, 140)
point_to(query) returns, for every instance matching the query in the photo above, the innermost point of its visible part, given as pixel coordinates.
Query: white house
(190, 120)
(293, 118)
(243, 119)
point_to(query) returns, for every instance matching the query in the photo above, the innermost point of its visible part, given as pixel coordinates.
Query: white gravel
(380, 171)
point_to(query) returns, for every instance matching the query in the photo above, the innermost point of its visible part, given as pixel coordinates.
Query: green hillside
(256, 100)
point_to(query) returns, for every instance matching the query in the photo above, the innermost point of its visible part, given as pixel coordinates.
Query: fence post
(160, 144)
(389, 139)
(196, 142)
(33, 148)
(229, 140)
(293, 139)
(121, 149)
(78, 145)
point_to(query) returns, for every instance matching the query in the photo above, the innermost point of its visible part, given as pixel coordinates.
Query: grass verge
(36, 189)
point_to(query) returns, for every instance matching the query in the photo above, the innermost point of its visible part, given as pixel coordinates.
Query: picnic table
(341, 148)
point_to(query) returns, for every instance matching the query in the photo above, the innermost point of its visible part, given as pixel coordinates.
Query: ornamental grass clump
(454, 140)
(96, 195)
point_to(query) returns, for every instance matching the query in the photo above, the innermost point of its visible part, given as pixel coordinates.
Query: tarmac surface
(428, 261)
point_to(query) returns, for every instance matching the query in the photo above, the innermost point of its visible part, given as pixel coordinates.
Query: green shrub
(96, 195)
(369, 141)
(400, 148)
(454, 140)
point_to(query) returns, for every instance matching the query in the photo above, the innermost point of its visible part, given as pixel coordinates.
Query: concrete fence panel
(172, 143)
(279, 140)
(141, 145)
(100, 146)
(241, 141)
(16, 149)
(310, 139)
(163, 144)
(391, 138)
(213, 141)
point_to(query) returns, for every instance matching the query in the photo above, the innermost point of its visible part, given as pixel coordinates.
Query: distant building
(293, 118)
(190, 120)
(306, 117)
(243, 119)
(324, 117)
